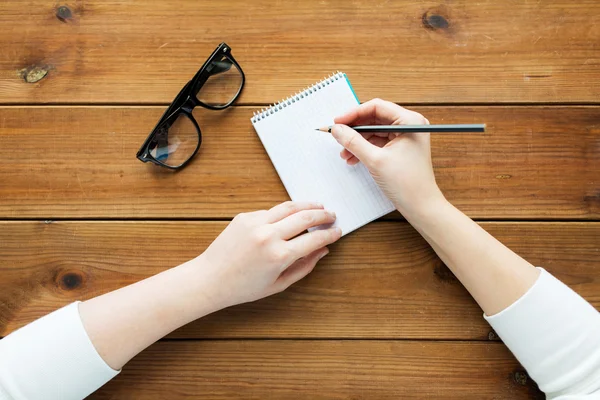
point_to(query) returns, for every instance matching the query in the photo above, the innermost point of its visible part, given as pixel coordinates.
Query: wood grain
(79, 162)
(310, 369)
(382, 281)
(371, 321)
(412, 52)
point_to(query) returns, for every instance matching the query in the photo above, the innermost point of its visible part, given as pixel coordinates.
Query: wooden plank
(382, 281)
(79, 162)
(276, 369)
(407, 51)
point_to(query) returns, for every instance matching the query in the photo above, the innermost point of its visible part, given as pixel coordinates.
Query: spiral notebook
(308, 161)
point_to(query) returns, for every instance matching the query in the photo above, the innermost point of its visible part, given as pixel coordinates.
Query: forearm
(122, 323)
(522, 306)
(494, 275)
(71, 352)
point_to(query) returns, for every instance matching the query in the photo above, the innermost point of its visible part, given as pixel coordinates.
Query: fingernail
(318, 205)
(338, 231)
(324, 253)
(331, 214)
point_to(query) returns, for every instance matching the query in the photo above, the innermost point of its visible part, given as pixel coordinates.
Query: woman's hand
(400, 164)
(263, 252)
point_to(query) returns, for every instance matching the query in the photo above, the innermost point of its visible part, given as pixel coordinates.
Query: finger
(288, 208)
(352, 161)
(311, 241)
(354, 142)
(345, 154)
(376, 140)
(297, 223)
(410, 117)
(375, 111)
(300, 268)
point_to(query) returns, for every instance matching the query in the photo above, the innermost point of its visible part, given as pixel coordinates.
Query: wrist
(423, 207)
(199, 289)
(432, 218)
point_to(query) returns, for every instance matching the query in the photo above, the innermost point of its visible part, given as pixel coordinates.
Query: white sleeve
(51, 358)
(555, 335)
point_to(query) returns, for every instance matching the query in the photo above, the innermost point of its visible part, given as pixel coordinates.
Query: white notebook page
(308, 161)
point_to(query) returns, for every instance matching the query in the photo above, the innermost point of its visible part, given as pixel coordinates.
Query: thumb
(354, 142)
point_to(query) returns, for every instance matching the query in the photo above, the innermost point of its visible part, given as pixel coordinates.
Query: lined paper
(308, 161)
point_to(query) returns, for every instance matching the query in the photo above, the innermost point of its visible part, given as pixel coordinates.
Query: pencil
(414, 128)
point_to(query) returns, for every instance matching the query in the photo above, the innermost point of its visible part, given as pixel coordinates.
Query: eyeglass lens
(175, 143)
(223, 83)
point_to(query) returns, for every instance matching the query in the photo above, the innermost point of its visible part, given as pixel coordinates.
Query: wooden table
(83, 82)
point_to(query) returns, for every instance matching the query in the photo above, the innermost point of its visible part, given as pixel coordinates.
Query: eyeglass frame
(185, 102)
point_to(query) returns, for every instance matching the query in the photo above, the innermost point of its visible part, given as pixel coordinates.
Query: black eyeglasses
(177, 136)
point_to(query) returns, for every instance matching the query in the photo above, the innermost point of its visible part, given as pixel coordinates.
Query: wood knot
(435, 22)
(492, 335)
(63, 13)
(34, 73)
(69, 280)
(437, 18)
(503, 176)
(520, 378)
(592, 200)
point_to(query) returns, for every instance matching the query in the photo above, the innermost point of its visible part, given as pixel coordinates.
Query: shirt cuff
(52, 358)
(555, 335)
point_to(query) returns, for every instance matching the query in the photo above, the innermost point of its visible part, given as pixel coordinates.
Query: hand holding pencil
(399, 163)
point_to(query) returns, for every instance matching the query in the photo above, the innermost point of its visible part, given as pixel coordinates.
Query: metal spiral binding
(265, 112)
